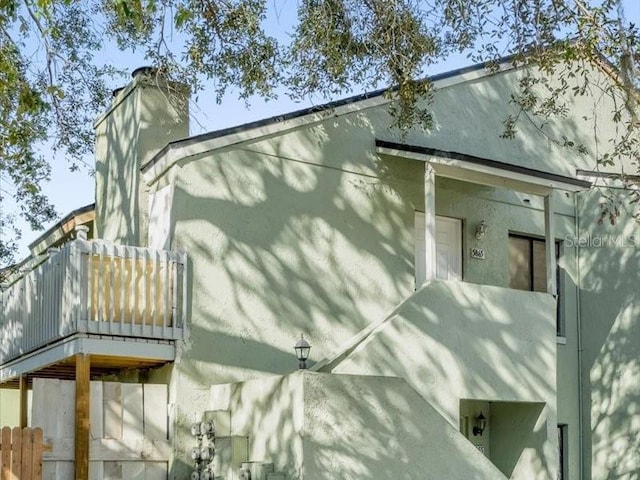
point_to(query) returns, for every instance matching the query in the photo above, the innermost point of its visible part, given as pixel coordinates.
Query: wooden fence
(128, 429)
(21, 453)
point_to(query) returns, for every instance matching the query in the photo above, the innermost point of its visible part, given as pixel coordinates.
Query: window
(527, 264)
(528, 270)
(562, 452)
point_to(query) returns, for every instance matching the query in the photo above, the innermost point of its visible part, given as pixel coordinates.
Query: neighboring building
(421, 267)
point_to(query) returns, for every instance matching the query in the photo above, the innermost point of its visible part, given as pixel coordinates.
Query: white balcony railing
(94, 287)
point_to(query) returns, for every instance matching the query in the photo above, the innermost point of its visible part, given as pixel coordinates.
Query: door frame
(420, 249)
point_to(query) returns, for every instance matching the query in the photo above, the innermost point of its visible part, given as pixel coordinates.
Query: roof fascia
(192, 146)
(483, 171)
(79, 216)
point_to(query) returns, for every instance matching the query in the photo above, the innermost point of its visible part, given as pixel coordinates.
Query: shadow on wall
(517, 431)
(610, 305)
(321, 427)
(117, 176)
(453, 341)
(469, 118)
(308, 232)
(281, 247)
(470, 341)
(141, 122)
(311, 231)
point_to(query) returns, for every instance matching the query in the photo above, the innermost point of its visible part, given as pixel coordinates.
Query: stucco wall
(142, 119)
(610, 315)
(321, 427)
(453, 341)
(9, 408)
(519, 429)
(312, 232)
(469, 118)
(281, 246)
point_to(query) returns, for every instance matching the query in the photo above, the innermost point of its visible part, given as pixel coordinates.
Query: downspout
(579, 328)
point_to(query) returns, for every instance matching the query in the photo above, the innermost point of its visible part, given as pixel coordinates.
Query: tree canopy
(52, 83)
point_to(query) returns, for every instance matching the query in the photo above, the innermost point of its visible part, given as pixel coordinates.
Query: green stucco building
(441, 277)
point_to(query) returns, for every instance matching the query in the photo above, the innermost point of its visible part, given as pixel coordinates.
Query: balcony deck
(110, 301)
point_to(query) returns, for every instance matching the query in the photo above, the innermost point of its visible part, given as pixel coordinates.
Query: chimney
(143, 117)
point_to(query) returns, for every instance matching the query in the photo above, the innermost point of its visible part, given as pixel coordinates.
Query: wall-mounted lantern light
(481, 424)
(302, 352)
(481, 230)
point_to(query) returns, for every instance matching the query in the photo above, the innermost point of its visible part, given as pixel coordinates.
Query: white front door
(448, 248)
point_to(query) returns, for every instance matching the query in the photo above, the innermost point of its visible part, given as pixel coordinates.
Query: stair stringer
(316, 426)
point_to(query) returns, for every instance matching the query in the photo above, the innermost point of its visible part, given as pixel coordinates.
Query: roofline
(376, 97)
(485, 162)
(70, 216)
(608, 175)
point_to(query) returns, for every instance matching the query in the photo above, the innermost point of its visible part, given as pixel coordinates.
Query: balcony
(93, 290)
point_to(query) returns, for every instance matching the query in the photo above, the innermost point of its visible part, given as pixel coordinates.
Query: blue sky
(70, 190)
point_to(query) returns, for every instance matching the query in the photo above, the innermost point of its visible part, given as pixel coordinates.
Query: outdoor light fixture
(481, 424)
(302, 352)
(481, 230)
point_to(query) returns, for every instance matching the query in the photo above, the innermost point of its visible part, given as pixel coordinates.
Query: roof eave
(174, 151)
(533, 181)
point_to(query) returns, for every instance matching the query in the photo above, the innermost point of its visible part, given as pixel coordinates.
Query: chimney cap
(146, 70)
(116, 91)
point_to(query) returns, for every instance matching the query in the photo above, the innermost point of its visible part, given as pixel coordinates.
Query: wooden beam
(83, 368)
(24, 401)
(429, 223)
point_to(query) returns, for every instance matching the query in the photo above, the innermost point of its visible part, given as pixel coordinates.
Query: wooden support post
(24, 401)
(550, 244)
(83, 368)
(429, 222)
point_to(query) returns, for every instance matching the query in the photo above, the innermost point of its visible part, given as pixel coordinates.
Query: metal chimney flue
(144, 71)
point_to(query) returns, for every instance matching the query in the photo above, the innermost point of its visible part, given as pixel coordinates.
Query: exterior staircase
(306, 430)
(389, 404)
